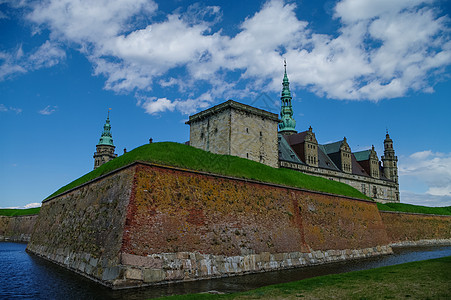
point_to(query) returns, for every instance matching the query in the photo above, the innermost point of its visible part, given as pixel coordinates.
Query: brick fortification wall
(186, 225)
(17, 228)
(82, 229)
(150, 224)
(406, 229)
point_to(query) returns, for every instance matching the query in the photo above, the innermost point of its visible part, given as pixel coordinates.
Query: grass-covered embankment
(428, 279)
(19, 212)
(183, 156)
(403, 207)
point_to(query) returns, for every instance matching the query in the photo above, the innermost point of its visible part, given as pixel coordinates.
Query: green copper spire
(288, 124)
(106, 138)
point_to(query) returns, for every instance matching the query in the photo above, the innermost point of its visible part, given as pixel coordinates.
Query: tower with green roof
(105, 148)
(287, 124)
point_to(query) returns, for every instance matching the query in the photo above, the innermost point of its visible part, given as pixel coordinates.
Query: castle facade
(237, 129)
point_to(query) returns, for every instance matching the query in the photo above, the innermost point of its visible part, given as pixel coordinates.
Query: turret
(389, 160)
(105, 148)
(288, 124)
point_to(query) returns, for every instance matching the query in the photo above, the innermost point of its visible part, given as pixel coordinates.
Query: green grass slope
(19, 212)
(403, 207)
(183, 156)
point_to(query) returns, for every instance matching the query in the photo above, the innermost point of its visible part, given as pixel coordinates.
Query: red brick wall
(331, 222)
(414, 227)
(175, 211)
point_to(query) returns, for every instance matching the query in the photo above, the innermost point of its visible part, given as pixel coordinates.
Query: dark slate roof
(357, 168)
(294, 139)
(362, 155)
(324, 160)
(332, 147)
(286, 153)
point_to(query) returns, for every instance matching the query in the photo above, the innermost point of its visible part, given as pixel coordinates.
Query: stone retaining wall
(82, 229)
(411, 227)
(17, 228)
(148, 224)
(185, 266)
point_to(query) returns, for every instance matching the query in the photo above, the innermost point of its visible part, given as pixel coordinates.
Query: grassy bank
(183, 156)
(19, 212)
(429, 279)
(415, 208)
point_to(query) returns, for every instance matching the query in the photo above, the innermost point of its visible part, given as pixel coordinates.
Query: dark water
(24, 276)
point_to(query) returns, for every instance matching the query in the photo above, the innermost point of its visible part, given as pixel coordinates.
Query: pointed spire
(288, 124)
(106, 138)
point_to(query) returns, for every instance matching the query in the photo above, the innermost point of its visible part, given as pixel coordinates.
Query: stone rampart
(148, 224)
(186, 226)
(411, 229)
(82, 228)
(17, 228)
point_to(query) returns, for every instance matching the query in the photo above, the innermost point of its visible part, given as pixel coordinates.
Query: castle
(233, 128)
(237, 129)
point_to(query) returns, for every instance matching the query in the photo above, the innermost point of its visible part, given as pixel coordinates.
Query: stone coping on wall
(413, 213)
(206, 174)
(421, 243)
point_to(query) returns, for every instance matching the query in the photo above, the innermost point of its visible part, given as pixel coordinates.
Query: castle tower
(389, 160)
(105, 148)
(288, 124)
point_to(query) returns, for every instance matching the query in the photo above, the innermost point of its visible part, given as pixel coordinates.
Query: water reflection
(29, 277)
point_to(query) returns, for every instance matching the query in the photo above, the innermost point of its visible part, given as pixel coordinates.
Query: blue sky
(356, 68)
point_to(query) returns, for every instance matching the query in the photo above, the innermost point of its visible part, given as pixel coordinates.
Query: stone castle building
(236, 129)
(105, 148)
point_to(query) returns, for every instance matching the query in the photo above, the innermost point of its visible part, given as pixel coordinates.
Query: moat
(24, 276)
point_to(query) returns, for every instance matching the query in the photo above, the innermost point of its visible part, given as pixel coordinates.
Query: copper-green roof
(362, 155)
(106, 138)
(332, 147)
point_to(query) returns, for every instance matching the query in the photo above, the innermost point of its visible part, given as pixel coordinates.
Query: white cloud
(29, 205)
(381, 49)
(8, 64)
(428, 169)
(86, 21)
(4, 108)
(47, 55)
(425, 199)
(18, 62)
(154, 106)
(353, 11)
(158, 105)
(48, 110)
